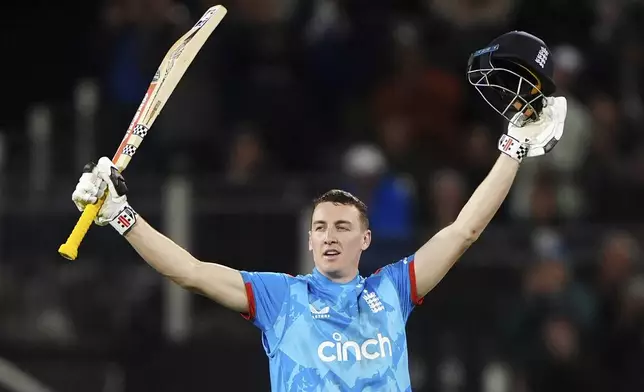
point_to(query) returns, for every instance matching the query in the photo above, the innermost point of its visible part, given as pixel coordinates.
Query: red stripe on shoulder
(412, 281)
(251, 302)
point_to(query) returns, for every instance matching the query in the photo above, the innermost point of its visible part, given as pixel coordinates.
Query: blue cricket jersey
(325, 336)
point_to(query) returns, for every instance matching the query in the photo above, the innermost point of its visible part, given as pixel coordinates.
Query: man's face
(337, 239)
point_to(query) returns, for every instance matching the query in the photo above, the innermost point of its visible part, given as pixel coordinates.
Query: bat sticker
(140, 130)
(129, 150)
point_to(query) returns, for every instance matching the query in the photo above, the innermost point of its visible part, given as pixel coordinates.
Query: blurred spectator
(544, 210)
(391, 196)
(569, 66)
(423, 95)
(607, 14)
(136, 36)
(563, 364)
(392, 203)
(547, 242)
(477, 158)
(605, 171)
(248, 160)
(479, 153)
(447, 196)
(547, 327)
(565, 161)
(618, 262)
(470, 14)
(622, 348)
(630, 44)
(249, 169)
(402, 150)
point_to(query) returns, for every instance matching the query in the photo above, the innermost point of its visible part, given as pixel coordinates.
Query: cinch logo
(339, 351)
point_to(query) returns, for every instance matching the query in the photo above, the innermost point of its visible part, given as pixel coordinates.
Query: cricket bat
(168, 74)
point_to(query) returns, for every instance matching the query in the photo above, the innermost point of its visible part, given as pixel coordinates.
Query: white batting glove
(89, 189)
(535, 138)
(92, 185)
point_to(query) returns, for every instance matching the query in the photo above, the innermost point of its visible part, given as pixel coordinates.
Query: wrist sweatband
(512, 147)
(125, 219)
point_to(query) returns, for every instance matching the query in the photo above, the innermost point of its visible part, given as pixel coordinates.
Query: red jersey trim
(251, 303)
(414, 289)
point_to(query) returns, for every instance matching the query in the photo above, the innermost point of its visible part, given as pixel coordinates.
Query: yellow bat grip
(69, 249)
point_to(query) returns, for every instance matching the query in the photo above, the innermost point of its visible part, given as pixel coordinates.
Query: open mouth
(331, 253)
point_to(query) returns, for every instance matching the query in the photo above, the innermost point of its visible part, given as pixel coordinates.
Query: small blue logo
(486, 50)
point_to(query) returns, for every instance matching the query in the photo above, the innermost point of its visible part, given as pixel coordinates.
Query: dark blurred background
(287, 99)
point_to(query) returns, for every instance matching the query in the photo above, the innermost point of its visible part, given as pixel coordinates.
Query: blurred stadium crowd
(289, 98)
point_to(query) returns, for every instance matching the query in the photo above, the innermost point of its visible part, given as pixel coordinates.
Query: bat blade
(165, 80)
(167, 76)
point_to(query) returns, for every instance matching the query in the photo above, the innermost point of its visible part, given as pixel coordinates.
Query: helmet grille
(509, 87)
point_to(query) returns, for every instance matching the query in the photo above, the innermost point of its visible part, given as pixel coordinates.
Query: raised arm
(438, 255)
(222, 284)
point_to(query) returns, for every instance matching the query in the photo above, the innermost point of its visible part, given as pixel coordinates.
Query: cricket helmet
(513, 74)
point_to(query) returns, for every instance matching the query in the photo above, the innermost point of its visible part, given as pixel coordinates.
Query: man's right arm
(222, 284)
(217, 282)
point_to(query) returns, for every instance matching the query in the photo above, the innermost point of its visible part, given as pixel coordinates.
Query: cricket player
(333, 329)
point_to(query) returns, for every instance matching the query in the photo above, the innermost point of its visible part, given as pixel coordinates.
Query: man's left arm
(438, 255)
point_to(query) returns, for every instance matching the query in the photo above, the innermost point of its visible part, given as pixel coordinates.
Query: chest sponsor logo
(339, 351)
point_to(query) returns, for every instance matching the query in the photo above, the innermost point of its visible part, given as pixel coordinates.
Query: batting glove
(535, 138)
(96, 180)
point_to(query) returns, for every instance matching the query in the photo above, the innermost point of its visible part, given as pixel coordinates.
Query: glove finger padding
(89, 189)
(543, 134)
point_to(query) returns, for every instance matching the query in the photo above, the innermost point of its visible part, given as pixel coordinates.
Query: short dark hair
(338, 196)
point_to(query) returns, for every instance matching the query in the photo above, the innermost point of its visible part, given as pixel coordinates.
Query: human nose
(329, 237)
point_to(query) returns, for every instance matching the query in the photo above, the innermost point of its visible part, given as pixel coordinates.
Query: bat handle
(69, 249)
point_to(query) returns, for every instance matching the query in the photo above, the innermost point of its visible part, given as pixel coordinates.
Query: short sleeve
(403, 277)
(267, 292)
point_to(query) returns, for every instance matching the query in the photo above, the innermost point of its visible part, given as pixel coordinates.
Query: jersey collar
(336, 288)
